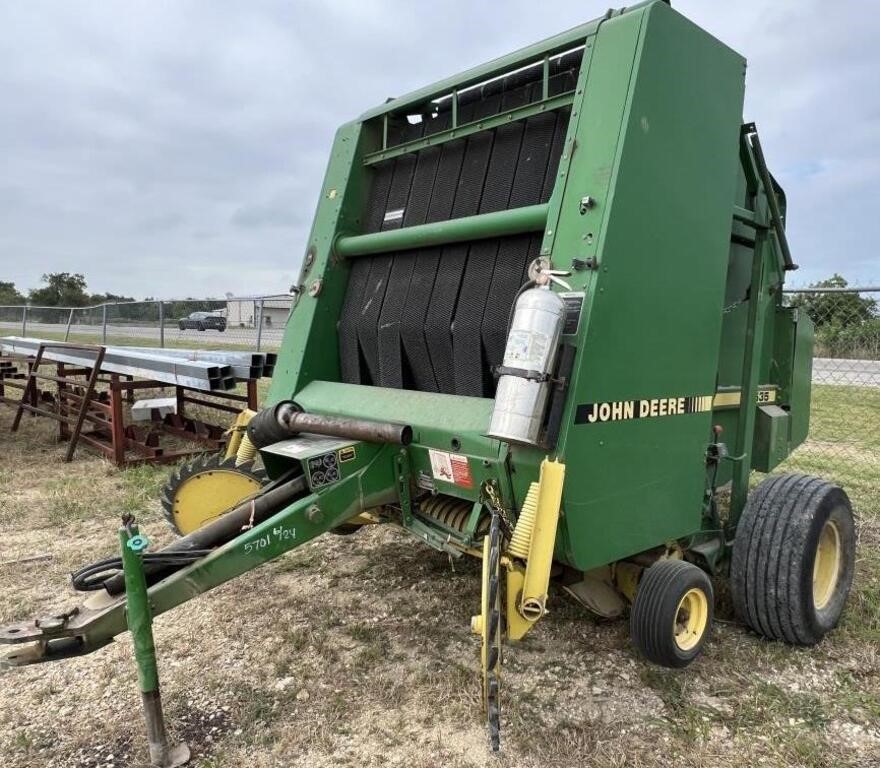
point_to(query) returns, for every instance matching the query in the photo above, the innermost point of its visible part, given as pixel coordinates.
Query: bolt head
(315, 288)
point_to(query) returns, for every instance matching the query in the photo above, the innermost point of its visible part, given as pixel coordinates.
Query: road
(140, 335)
(862, 373)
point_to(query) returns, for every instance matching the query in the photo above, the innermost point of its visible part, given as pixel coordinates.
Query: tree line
(59, 289)
(65, 289)
(846, 324)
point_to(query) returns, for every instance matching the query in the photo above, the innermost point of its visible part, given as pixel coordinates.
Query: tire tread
(653, 610)
(771, 551)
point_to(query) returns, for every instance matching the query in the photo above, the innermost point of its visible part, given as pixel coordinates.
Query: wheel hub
(691, 618)
(826, 568)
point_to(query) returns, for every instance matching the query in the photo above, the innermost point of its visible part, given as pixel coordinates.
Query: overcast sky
(176, 148)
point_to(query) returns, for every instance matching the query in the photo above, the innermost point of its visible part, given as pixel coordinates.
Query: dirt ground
(356, 651)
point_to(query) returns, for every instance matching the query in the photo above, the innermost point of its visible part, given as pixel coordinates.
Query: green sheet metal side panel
(310, 348)
(436, 419)
(453, 426)
(801, 379)
(653, 308)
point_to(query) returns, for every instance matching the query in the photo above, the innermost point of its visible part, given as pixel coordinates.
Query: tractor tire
(181, 326)
(671, 617)
(793, 558)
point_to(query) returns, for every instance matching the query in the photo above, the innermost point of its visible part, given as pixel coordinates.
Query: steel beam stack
(157, 365)
(245, 365)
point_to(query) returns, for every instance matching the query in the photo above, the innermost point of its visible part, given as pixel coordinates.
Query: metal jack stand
(140, 624)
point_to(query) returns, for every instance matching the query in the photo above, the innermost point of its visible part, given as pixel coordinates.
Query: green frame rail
(515, 221)
(546, 104)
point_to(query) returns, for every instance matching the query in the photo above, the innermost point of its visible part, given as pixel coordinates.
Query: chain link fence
(844, 441)
(845, 418)
(246, 323)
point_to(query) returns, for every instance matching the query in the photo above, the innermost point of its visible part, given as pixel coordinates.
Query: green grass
(171, 341)
(412, 674)
(142, 485)
(73, 498)
(848, 416)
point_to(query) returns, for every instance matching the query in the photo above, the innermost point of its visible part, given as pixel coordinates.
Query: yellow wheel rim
(691, 618)
(826, 568)
(207, 495)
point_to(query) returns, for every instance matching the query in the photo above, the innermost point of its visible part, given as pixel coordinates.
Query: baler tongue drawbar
(281, 517)
(100, 618)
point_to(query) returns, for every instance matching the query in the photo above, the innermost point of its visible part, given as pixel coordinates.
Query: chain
(496, 507)
(493, 637)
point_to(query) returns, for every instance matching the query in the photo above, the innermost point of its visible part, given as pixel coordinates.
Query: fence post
(260, 324)
(103, 323)
(162, 324)
(69, 323)
(24, 321)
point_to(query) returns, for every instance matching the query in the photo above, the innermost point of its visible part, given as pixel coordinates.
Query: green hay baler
(540, 322)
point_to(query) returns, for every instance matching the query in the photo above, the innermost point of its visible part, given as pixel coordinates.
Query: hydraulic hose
(107, 573)
(91, 578)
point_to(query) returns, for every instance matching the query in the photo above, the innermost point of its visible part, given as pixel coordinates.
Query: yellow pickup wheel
(793, 558)
(672, 614)
(200, 491)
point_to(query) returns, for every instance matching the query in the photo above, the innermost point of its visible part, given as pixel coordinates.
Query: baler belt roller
(547, 104)
(515, 221)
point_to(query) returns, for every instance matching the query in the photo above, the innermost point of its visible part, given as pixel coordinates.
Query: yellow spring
(246, 451)
(525, 524)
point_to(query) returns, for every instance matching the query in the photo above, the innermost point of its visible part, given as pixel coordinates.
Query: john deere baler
(539, 321)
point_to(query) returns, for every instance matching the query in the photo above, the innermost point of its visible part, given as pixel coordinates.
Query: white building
(244, 311)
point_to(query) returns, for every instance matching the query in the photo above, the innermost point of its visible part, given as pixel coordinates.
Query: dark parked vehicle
(202, 321)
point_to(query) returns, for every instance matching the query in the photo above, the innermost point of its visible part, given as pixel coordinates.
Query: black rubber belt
(391, 363)
(351, 363)
(435, 319)
(380, 271)
(447, 284)
(471, 374)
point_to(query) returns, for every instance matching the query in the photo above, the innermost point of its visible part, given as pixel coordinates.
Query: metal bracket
(404, 473)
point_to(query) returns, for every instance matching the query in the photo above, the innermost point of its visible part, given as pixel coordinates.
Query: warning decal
(451, 468)
(574, 303)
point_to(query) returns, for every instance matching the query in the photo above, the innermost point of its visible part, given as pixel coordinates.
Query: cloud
(149, 139)
(162, 222)
(284, 209)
